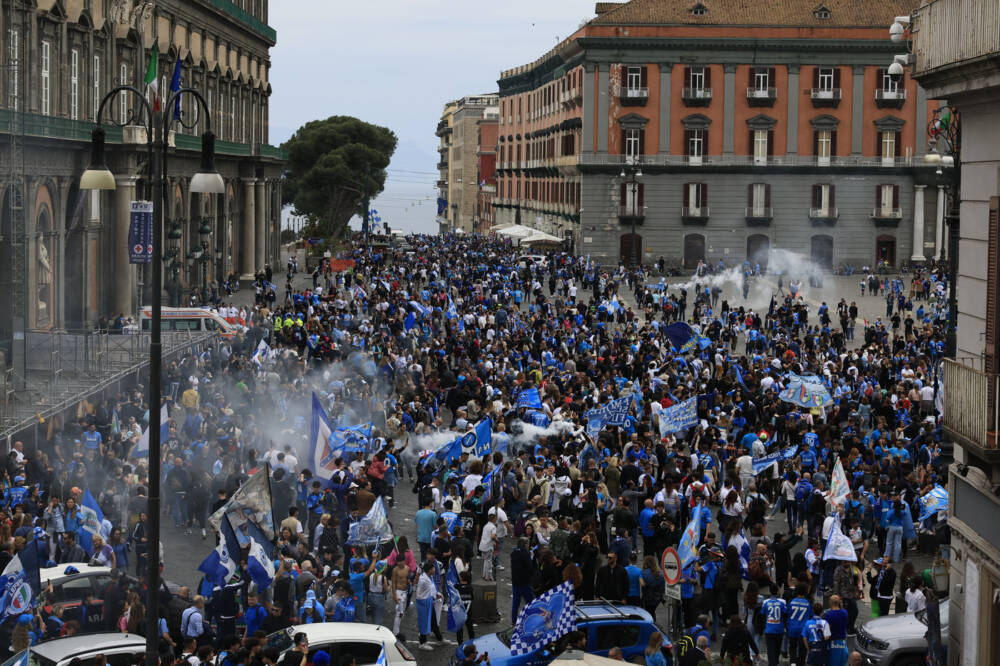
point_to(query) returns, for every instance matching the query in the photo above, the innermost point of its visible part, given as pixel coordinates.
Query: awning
(516, 231)
(541, 238)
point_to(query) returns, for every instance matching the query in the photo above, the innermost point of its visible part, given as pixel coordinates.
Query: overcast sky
(395, 63)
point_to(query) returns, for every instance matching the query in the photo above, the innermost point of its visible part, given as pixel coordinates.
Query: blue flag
(613, 413)
(679, 333)
(687, 549)
(765, 462)
(742, 546)
(373, 528)
(529, 398)
(260, 566)
(91, 518)
(175, 86)
(321, 462)
(19, 583)
(449, 452)
(410, 321)
(547, 618)
(456, 607)
(933, 502)
(484, 437)
(679, 417)
(141, 448)
(220, 563)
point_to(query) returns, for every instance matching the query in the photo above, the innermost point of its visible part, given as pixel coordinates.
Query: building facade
(722, 131)
(956, 48)
(445, 131)
(459, 148)
(61, 58)
(486, 151)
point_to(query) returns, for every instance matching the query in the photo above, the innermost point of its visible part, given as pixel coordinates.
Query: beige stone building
(459, 165)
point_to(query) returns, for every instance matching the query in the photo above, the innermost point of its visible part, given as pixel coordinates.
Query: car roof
(58, 573)
(592, 611)
(60, 649)
(334, 631)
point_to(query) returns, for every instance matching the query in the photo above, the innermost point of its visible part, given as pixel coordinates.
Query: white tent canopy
(540, 238)
(516, 231)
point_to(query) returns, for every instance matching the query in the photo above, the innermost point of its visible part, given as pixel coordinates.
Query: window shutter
(750, 195)
(687, 195)
(879, 82)
(752, 78)
(833, 190)
(771, 78)
(878, 144)
(708, 77)
(704, 195)
(833, 143)
(751, 146)
(642, 142)
(817, 196)
(878, 196)
(642, 77)
(767, 196)
(895, 196)
(704, 142)
(836, 78)
(621, 200)
(687, 142)
(770, 142)
(687, 77)
(815, 77)
(624, 143)
(991, 290)
(899, 143)
(641, 188)
(815, 142)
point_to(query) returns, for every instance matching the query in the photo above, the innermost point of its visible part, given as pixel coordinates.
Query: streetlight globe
(97, 176)
(207, 180)
(932, 158)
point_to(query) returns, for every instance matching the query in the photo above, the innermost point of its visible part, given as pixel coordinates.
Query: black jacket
(521, 567)
(612, 583)
(883, 589)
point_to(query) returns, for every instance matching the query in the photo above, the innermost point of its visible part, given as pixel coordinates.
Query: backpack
(817, 504)
(756, 570)
(687, 642)
(758, 507)
(802, 491)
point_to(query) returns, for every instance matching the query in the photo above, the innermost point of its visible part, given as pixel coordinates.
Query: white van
(189, 319)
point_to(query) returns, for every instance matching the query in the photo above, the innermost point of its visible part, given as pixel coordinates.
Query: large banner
(140, 232)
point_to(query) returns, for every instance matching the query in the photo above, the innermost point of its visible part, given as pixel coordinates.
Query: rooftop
(796, 13)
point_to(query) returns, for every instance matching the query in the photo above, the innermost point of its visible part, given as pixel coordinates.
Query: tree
(335, 166)
(288, 236)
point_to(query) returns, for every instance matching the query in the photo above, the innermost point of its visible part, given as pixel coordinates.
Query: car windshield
(281, 640)
(922, 614)
(33, 660)
(504, 636)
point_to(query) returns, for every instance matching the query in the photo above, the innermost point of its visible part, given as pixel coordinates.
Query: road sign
(673, 592)
(671, 566)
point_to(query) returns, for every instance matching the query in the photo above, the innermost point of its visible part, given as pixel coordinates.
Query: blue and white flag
(141, 448)
(742, 546)
(382, 660)
(410, 321)
(487, 484)
(452, 312)
(373, 528)
(529, 398)
(220, 564)
(637, 398)
(484, 438)
(838, 545)
(687, 549)
(421, 309)
(449, 452)
(612, 413)
(320, 459)
(91, 520)
(19, 583)
(260, 566)
(763, 463)
(678, 417)
(350, 439)
(933, 502)
(545, 620)
(457, 613)
(251, 503)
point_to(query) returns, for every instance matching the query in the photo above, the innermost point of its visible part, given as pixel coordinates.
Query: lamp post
(633, 174)
(204, 234)
(207, 180)
(174, 237)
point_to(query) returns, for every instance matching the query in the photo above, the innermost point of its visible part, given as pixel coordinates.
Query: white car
(118, 649)
(70, 584)
(363, 641)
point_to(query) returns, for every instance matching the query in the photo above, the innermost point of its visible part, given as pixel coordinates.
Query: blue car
(607, 625)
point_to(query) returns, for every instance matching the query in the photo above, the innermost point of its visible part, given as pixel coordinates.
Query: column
(260, 235)
(918, 224)
(665, 70)
(587, 131)
(603, 100)
(857, 109)
(248, 230)
(793, 109)
(124, 275)
(728, 110)
(939, 224)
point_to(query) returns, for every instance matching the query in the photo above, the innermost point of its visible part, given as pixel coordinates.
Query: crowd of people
(433, 342)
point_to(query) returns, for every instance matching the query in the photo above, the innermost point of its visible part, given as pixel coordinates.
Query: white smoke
(527, 433)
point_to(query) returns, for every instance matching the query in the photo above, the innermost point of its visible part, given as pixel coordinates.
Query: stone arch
(42, 266)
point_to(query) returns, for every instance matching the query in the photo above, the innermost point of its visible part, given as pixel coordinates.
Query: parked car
(363, 641)
(607, 625)
(898, 640)
(118, 649)
(70, 584)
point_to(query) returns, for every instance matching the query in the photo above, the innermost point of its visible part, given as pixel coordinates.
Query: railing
(759, 212)
(762, 94)
(249, 20)
(971, 409)
(697, 94)
(694, 212)
(889, 95)
(846, 161)
(626, 92)
(950, 32)
(823, 93)
(629, 211)
(882, 213)
(51, 127)
(824, 213)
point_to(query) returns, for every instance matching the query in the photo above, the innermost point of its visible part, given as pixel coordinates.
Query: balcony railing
(845, 161)
(886, 217)
(694, 214)
(626, 214)
(824, 215)
(249, 20)
(761, 96)
(887, 99)
(822, 97)
(697, 96)
(633, 96)
(971, 409)
(759, 215)
(950, 32)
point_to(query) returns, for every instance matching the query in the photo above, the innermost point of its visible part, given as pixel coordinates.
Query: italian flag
(151, 84)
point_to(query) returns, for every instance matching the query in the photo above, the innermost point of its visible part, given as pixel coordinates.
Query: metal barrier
(971, 408)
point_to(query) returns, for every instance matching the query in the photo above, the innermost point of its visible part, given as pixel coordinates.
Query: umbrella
(541, 238)
(516, 231)
(806, 391)
(498, 227)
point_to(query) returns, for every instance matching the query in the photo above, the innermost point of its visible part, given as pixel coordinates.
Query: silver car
(898, 640)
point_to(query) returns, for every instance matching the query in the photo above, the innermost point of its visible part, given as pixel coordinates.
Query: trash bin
(484, 602)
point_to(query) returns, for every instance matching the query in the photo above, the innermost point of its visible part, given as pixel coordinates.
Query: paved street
(184, 552)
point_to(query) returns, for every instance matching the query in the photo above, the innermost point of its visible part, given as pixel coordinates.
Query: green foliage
(334, 167)
(288, 236)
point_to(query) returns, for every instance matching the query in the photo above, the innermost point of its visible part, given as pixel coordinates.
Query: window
(631, 198)
(633, 79)
(822, 200)
(699, 10)
(74, 84)
(889, 146)
(611, 635)
(243, 121)
(697, 79)
(761, 145)
(695, 199)
(695, 140)
(45, 64)
(221, 116)
(122, 96)
(886, 200)
(887, 83)
(13, 54)
(824, 79)
(633, 140)
(758, 199)
(97, 86)
(761, 79)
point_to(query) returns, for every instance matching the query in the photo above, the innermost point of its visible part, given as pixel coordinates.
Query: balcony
(761, 96)
(631, 214)
(890, 99)
(633, 96)
(696, 96)
(825, 99)
(887, 217)
(442, 165)
(971, 408)
(247, 19)
(824, 216)
(759, 216)
(442, 184)
(694, 214)
(954, 34)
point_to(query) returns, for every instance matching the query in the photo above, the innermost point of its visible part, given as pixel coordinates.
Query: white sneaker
(425, 646)
(448, 641)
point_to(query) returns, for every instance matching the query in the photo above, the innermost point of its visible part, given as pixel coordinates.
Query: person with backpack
(803, 491)
(775, 612)
(756, 508)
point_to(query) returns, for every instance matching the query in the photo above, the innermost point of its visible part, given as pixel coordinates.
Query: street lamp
(204, 233)
(633, 175)
(207, 180)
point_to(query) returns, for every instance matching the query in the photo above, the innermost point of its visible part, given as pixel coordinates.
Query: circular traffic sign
(670, 564)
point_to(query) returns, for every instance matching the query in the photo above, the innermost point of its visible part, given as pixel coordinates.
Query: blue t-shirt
(92, 440)
(634, 576)
(799, 612)
(775, 611)
(426, 520)
(837, 619)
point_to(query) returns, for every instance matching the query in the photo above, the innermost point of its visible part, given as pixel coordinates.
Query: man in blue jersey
(816, 637)
(775, 612)
(799, 612)
(836, 617)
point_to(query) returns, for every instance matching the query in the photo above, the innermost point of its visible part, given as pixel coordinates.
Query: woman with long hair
(752, 602)
(731, 583)
(652, 585)
(737, 643)
(654, 653)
